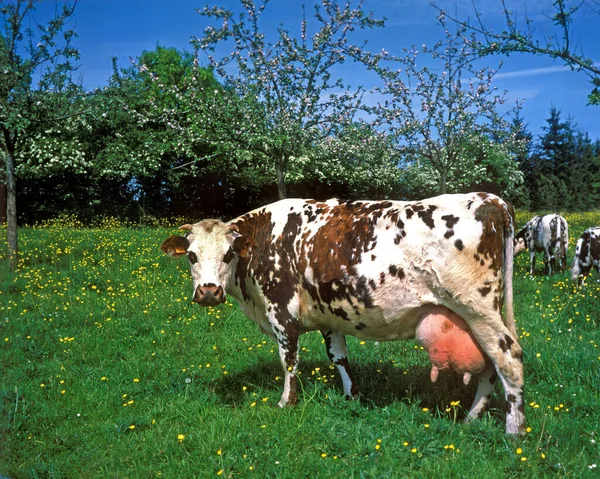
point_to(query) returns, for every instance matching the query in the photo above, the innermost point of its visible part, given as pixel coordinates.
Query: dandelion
(181, 437)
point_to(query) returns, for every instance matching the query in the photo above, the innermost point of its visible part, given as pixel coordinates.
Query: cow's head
(212, 248)
(521, 239)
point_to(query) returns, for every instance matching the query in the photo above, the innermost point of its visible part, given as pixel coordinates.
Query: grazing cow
(547, 234)
(370, 269)
(587, 255)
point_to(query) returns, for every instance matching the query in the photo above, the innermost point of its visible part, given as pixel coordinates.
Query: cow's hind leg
(549, 259)
(337, 351)
(506, 354)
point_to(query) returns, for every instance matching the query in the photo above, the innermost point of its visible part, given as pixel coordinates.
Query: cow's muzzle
(209, 295)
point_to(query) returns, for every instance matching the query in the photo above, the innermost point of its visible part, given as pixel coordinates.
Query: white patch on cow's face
(211, 255)
(519, 245)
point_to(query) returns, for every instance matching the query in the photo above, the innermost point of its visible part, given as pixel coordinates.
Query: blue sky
(125, 28)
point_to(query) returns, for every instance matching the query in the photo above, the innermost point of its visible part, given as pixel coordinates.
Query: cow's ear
(175, 245)
(242, 245)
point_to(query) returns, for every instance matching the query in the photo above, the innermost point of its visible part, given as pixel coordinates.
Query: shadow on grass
(380, 385)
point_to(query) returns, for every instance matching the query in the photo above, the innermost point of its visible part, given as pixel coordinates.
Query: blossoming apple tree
(281, 96)
(438, 103)
(44, 51)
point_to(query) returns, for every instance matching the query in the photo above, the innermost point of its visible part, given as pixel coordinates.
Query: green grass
(108, 370)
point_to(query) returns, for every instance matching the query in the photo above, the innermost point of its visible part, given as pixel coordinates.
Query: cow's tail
(509, 245)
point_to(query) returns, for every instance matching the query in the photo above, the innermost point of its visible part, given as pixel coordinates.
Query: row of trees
(170, 136)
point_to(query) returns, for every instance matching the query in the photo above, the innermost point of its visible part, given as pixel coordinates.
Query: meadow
(109, 370)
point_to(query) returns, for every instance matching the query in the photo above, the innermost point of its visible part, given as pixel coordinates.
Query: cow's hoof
(289, 403)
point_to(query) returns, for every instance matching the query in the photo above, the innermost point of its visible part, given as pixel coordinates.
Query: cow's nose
(209, 295)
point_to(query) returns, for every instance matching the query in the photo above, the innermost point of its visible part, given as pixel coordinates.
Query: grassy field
(108, 370)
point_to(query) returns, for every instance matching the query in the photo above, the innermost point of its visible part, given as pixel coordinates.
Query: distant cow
(547, 234)
(587, 254)
(370, 269)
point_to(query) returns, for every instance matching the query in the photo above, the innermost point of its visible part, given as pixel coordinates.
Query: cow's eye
(192, 257)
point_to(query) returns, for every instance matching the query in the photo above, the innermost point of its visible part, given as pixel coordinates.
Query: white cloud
(536, 71)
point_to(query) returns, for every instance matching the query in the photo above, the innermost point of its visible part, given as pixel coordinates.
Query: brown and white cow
(587, 255)
(371, 269)
(547, 234)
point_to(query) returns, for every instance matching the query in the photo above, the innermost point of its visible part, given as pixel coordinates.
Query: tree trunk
(281, 188)
(11, 211)
(3, 195)
(443, 182)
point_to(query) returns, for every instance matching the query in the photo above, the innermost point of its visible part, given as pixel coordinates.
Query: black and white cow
(371, 269)
(547, 234)
(587, 255)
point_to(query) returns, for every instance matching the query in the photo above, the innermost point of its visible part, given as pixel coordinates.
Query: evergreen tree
(563, 171)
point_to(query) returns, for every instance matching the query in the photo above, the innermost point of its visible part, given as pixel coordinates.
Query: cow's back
(370, 268)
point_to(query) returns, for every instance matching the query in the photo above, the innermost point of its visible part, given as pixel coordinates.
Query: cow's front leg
(485, 387)
(286, 334)
(337, 350)
(531, 262)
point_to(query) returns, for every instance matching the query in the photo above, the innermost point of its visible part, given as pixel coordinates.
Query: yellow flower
(180, 437)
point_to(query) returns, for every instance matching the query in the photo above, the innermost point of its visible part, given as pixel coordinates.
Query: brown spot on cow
(495, 221)
(505, 343)
(485, 290)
